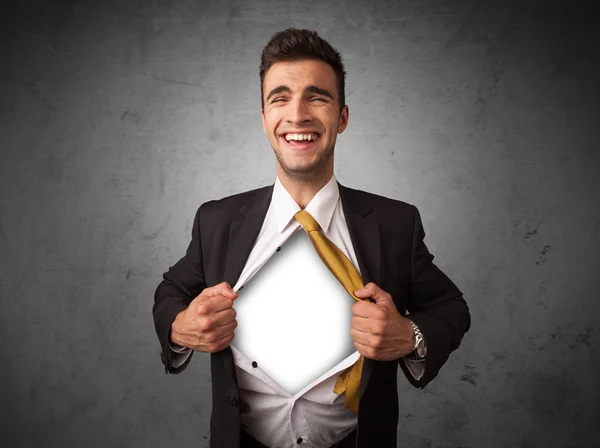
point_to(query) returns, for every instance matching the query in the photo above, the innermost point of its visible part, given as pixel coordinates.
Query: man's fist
(207, 324)
(379, 331)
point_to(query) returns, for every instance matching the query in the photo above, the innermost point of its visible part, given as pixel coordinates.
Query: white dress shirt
(314, 415)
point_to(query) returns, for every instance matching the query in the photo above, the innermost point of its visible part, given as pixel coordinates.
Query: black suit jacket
(387, 236)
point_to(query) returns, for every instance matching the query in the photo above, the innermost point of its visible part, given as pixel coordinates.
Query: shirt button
(233, 401)
(278, 249)
(299, 441)
(254, 364)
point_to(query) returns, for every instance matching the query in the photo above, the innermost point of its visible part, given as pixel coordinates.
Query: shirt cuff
(416, 367)
(179, 354)
(178, 348)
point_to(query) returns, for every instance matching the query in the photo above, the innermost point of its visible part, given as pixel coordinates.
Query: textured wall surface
(120, 118)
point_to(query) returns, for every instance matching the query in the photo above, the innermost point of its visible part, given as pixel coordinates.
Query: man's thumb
(227, 291)
(378, 296)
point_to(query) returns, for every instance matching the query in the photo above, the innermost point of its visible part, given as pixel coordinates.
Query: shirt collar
(321, 206)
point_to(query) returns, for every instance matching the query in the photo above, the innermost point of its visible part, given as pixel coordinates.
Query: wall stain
(537, 345)
(471, 375)
(38, 96)
(157, 232)
(543, 252)
(542, 293)
(584, 338)
(550, 339)
(130, 116)
(531, 233)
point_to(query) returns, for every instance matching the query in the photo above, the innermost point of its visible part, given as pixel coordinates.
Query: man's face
(301, 115)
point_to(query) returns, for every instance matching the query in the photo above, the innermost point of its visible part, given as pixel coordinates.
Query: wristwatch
(420, 348)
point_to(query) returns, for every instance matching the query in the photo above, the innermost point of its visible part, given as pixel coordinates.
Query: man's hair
(300, 44)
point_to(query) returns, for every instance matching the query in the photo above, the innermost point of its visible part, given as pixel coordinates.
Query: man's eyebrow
(277, 90)
(310, 88)
(319, 91)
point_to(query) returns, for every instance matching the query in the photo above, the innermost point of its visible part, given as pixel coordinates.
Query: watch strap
(419, 343)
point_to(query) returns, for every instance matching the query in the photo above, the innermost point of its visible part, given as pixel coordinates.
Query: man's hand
(207, 324)
(378, 329)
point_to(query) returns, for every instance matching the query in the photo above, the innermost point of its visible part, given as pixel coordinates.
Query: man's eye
(317, 99)
(278, 100)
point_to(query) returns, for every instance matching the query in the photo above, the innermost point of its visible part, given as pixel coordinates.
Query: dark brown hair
(300, 44)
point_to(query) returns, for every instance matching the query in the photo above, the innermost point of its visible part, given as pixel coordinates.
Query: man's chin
(309, 171)
(302, 168)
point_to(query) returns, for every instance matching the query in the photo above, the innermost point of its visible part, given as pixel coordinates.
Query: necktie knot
(308, 222)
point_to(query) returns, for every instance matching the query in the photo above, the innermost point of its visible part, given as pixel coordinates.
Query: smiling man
(302, 116)
(406, 311)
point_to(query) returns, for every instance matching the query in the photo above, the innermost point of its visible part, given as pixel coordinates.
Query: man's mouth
(300, 140)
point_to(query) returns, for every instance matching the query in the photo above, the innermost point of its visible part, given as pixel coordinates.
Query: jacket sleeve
(436, 305)
(183, 282)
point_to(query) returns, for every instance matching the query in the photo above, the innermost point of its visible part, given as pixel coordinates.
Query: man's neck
(303, 190)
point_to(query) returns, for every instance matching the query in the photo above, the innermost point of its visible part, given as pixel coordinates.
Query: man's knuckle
(210, 338)
(205, 325)
(201, 308)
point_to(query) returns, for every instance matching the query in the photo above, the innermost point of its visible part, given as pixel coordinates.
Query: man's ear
(262, 114)
(343, 121)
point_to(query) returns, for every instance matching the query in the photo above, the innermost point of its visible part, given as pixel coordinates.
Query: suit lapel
(243, 231)
(364, 232)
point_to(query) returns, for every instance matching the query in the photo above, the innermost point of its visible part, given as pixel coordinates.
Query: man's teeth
(300, 137)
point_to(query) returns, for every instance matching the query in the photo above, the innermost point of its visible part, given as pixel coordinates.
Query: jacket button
(254, 364)
(233, 401)
(278, 249)
(299, 441)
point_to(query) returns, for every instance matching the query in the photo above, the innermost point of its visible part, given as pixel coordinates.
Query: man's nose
(299, 112)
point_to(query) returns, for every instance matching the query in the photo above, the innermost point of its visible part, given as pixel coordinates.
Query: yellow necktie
(343, 269)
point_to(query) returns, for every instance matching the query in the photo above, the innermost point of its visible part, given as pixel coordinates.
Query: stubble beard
(307, 172)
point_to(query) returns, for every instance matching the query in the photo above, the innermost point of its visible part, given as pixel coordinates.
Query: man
(303, 110)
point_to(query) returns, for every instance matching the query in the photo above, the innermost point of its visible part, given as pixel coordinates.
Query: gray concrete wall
(119, 118)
